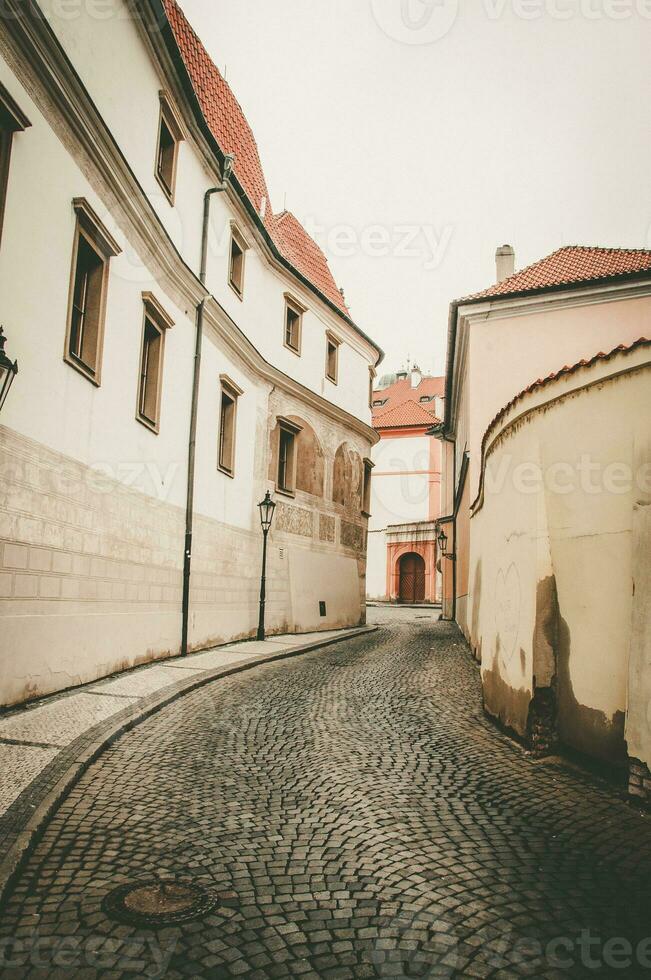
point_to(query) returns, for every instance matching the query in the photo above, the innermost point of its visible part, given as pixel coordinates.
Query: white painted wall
(400, 484)
(92, 502)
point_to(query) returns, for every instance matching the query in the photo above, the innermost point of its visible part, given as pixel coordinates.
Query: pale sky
(442, 129)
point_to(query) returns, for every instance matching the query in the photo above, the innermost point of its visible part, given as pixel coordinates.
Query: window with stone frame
(293, 325)
(236, 262)
(12, 120)
(229, 395)
(92, 250)
(150, 381)
(287, 456)
(170, 136)
(332, 357)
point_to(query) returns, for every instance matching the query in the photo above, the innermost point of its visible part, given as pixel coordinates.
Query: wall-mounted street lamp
(267, 508)
(8, 370)
(442, 540)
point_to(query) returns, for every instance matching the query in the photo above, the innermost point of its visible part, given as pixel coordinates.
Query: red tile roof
(569, 266)
(304, 254)
(227, 122)
(403, 406)
(402, 391)
(409, 413)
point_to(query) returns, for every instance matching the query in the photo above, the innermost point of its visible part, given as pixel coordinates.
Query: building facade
(547, 455)
(406, 490)
(181, 349)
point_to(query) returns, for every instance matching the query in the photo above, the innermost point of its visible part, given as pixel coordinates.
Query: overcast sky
(412, 138)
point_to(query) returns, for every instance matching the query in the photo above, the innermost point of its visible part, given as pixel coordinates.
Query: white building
(117, 127)
(406, 489)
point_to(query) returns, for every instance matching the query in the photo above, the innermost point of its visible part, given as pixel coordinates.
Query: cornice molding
(500, 309)
(241, 348)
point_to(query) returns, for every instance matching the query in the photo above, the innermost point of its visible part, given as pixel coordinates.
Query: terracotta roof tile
(305, 255)
(228, 124)
(407, 414)
(568, 266)
(401, 391)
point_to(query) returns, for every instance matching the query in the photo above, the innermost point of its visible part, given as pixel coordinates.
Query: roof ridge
(553, 273)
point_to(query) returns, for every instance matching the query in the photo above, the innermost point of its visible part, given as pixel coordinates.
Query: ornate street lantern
(8, 370)
(267, 508)
(442, 540)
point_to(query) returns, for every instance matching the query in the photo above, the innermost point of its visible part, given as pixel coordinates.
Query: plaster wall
(559, 587)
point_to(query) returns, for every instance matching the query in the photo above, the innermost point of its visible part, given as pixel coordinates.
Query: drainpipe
(438, 432)
(189, 506)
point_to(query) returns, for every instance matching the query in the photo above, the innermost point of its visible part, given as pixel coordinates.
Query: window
(286, 476)
(170, 135)
(332, 357)
(93, 248)
(236, 264)
(12, 121)
(426, 398)
(366, 489)
(293, 324)
(379, 402)
(230, 392)
(150, 381)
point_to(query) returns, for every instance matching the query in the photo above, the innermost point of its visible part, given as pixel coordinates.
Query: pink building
(406, 489)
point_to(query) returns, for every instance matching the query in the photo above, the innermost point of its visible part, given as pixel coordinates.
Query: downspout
(438, 432)
(192, 441)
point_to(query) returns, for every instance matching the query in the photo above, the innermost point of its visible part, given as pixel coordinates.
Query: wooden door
(412, 578)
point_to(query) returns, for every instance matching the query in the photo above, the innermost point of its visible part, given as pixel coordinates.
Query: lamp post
(267, 508)
(442, 540)
(8, 370)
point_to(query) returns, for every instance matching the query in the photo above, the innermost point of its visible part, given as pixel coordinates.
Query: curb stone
(104, 734)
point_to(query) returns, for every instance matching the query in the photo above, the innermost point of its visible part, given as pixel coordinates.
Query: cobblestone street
(359, 817)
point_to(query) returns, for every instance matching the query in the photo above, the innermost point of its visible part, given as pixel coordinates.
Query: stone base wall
(639, 782)
(91, 574)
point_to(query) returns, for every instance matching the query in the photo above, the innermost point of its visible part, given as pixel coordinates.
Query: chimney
(416, 376)
(505, 262)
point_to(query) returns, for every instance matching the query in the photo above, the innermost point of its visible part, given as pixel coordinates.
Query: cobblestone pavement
(358, 816)
(32, 736)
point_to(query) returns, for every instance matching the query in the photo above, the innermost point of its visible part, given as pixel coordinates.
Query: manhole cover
(158, 903)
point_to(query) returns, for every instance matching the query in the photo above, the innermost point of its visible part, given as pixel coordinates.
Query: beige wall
(510, 352)
(558, 567)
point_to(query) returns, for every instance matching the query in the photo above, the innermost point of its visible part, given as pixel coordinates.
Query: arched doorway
(412, 578)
